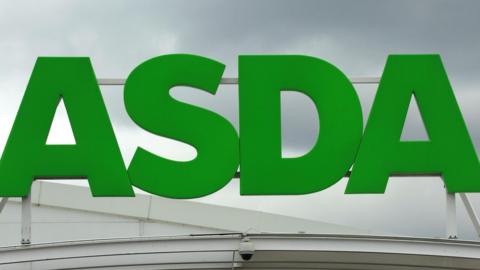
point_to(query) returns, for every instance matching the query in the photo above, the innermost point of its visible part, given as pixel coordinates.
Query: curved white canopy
(273, 251)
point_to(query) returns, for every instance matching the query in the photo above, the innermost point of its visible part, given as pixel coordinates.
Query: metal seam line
(234, 81)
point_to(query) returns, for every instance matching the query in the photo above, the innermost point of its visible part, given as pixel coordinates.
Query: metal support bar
(234, 81)
(3, 203)
(451, 216)
(26, 219)
(471, 212)
(347, 174)
(111, 81)
(365, 80)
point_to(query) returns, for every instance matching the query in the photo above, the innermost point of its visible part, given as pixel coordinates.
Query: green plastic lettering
(264, 171)
(150, 105)
(449, 150)
(95, 155)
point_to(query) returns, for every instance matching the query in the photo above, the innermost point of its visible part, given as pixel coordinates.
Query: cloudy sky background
(356, 36)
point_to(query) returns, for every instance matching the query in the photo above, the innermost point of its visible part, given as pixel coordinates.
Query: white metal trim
(271, 251)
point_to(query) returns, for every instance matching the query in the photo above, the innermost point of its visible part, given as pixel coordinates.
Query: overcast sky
(356, 36)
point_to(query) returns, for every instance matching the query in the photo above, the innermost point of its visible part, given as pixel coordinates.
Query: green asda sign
(375, 153)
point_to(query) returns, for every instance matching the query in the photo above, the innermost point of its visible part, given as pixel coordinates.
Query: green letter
(94, 156)
(264, 171)
(150, 105)
(449, 152)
